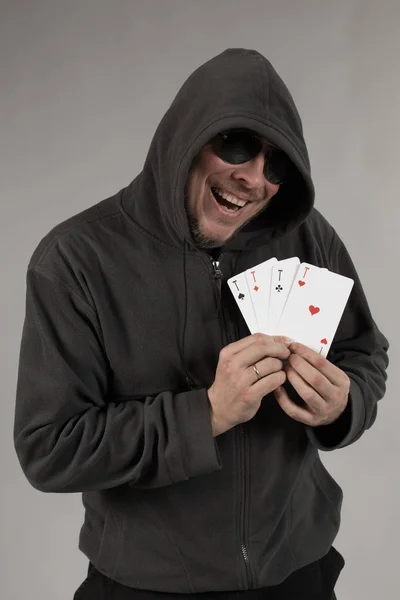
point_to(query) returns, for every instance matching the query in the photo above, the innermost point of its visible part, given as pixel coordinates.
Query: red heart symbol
(313, 309)
(324, 341)
(301, 283)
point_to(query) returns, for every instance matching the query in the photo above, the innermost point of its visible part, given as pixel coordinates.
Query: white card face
(259, 282)
(314, 307)
(239, 288)
(283, 274)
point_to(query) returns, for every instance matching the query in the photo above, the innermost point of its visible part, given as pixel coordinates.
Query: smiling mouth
(227, 201)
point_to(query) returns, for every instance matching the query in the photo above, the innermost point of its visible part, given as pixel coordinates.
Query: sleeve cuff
(346, 429)
(199, 452)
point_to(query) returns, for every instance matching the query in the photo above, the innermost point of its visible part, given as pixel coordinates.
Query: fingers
(266, 366)
(239, 345)
(269, 365)
(293, 410)
(282, 339)
(261, 347)
(247, 341)
(311, 397)
(321, 365)
(297, 365)
(269, 383)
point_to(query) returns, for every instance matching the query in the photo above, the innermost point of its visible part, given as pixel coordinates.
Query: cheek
(194, 192)
(209, 165)
(192, 182)
(205, 172)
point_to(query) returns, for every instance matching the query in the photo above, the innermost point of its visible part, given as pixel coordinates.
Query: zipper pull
(217, 275)
(217, 271)
(215, 263)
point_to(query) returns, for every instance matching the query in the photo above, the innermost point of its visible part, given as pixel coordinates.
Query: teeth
(230, 198)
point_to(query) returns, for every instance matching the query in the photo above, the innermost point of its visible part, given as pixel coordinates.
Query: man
(195, 444)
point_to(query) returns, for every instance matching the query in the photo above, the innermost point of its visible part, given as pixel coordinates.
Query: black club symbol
(279, 288)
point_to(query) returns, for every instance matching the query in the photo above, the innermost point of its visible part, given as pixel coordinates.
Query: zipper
(242, 468)
(231, 337)
(217, 273)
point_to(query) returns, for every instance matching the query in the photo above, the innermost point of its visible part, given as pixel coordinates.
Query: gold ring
(257, 372)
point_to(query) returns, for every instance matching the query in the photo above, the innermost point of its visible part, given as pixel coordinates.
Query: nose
(251, 172)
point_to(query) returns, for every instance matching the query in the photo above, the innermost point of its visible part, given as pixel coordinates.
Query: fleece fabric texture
(125, 319)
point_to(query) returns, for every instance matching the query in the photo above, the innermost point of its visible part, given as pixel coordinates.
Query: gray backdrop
(83, 87)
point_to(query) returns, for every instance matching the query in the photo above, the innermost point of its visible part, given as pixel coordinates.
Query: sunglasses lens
(236, 147)
(277, 166)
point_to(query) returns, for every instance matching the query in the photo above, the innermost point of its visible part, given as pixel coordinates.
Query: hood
(237, 88)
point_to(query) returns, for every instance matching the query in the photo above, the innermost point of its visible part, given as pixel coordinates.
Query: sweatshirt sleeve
(69, 434)
(360, 350)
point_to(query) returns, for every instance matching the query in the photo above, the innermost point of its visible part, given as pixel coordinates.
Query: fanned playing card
(283, 274)
(259, 282)
(240, 290)
(314, 307)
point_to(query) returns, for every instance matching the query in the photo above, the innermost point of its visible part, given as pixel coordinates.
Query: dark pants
(315, 581)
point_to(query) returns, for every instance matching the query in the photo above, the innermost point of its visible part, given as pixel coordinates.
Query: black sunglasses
(238, 146)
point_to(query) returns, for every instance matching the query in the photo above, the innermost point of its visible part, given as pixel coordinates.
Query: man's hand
(323, 387)
(237, 391)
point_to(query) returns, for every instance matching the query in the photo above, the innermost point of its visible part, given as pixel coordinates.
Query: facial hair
(203, 242)
(207, 243)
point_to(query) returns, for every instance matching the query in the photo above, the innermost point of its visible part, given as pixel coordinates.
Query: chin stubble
(199, 238)
(205, 242)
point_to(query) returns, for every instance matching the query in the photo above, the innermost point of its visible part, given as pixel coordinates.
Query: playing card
(259, 282)
(282, 277)
(314, 307)
(239, 288)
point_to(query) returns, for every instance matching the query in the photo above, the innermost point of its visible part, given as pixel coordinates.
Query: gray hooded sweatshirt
(125, 319)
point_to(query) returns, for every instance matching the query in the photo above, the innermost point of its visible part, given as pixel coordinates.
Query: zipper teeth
(230, 334)
(244, 552)
(243, 466)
